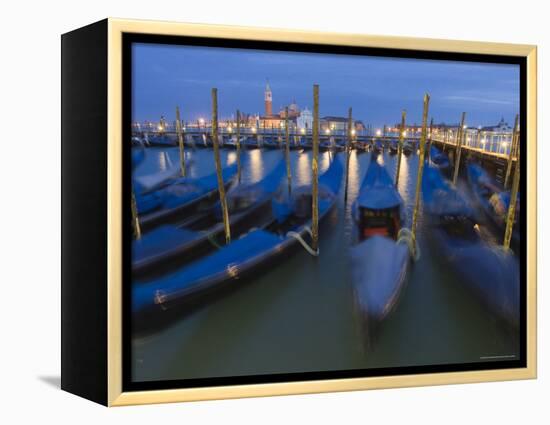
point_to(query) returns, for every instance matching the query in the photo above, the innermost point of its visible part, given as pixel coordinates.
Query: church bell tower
(268, 97)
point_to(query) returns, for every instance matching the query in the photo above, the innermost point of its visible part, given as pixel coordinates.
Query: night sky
(377, 88)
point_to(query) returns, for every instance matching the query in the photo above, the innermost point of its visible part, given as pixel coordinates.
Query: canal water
(299, 316)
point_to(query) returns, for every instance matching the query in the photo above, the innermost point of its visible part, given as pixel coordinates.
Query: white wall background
(30, 211)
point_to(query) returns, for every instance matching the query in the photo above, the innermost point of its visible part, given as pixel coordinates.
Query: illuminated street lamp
(253, 129)
(378, 132)
(353, 132)
(303, 130)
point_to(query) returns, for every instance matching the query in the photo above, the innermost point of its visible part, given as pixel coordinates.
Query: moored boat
(439, 159)
(408, 148)
(162, 140)
(493, 199)
(394, 145)
(490, 272)
(177, 196)
(381, 257)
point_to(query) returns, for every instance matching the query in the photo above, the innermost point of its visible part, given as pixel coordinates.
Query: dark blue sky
(377, 88)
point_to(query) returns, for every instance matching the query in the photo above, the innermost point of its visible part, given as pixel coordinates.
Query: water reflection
(303, 173)
(403, 183)
(324, 161)
(256, 165)
(162, 162)
(231, 158)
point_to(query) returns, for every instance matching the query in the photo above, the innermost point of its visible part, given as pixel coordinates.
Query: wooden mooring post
(513, 150)
(238, 115)
(511, 216)
(179, 131)
(458, 148)
(430, 138)
(400, 145)
(315, 172)
(348, 152)
(287, 151)
(135, 217)
(421, 157)
(221, 185)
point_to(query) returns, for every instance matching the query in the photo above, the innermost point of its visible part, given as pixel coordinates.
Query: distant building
(293, 111)
(339, 124)
(271, 120)
(305, 119)
(268, 98)
(501, 127)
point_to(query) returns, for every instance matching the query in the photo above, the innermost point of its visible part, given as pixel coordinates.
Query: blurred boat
(491, 273)
(248, 205)
(493, 199)
(439, 159)
(394, 146)
(174, 196)
(408, 148)
(272, 143)
(247, 256)
(326, 145)
(250, 143)
(163, 140)
(377, 146)
(380, 258)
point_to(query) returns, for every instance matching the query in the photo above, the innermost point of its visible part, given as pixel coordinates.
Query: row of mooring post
(315, 171)
(179, 131)
(348, 152)
(221, 185)
(421, 157)
(400, 145)
(458, 148)
(513, 150)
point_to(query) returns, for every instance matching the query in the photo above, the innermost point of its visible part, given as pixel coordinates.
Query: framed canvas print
(251, 212)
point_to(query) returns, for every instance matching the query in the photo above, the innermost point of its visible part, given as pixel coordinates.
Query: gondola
(439, 159)
(491, 273)
(393, 147)
(295, 145)
(377, 147)
(408, 148)
(305, 143)
(177, 196)
(271, 143)
(380, 257)
(249, 255)
(492, 198)
(194, 236)
(162, 140)
(137, 141)
(250, 143)
(326, 145)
